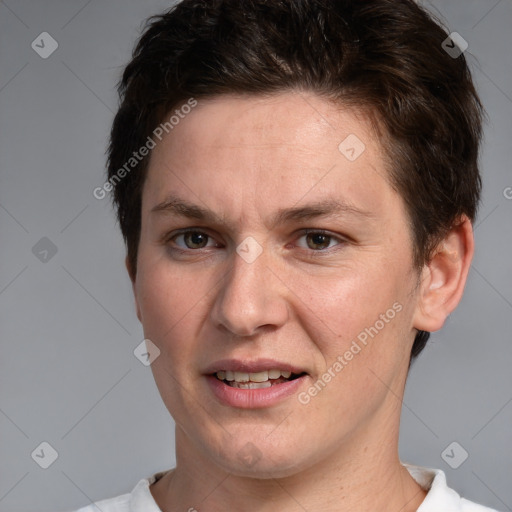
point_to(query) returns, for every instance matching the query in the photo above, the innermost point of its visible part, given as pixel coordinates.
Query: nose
(251, 298)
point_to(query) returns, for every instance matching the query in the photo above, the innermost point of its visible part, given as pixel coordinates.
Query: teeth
(251, 385)
(274, 374)
(257, 377)
(241, 377)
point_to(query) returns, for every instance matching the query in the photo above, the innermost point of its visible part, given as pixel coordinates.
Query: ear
(443, 278)
(133, 279)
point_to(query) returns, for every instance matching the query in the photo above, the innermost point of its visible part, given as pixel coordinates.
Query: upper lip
(254, 366)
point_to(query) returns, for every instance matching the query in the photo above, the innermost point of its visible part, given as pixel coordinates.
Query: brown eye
(318, 241)
(195, 239)
(191, 240)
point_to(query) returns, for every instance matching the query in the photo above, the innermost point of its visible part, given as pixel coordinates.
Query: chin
(262, 470)
(257, 459)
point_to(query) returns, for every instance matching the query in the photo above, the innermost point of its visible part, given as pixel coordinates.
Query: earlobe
(444, 277)
(132, 279)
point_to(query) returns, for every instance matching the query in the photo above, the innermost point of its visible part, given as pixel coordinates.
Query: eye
(319, 240)
(316, 240)
(192, 239)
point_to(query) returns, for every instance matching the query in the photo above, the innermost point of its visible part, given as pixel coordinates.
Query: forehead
(234, 152)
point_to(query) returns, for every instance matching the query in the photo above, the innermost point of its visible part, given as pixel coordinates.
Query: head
(249, 109)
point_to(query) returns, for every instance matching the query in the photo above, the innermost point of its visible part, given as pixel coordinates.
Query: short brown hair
(384, 56)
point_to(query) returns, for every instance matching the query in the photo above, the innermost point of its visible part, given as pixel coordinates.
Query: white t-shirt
(440, 498)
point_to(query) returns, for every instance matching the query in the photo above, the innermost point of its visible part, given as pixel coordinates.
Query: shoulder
(139, 499)
(439, 495)
(469, 506)
(117, 504)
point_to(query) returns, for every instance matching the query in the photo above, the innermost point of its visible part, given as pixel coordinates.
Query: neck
(363, 474)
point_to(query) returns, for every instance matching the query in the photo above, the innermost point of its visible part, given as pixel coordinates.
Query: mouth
(256, 380)
(246, 383)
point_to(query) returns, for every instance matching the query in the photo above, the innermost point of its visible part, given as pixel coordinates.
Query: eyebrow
(330, 207)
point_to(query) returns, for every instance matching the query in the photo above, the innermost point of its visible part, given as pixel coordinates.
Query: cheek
(348, 304)
(170, 305)
(362, 339)
(169, 302)
(360, 343)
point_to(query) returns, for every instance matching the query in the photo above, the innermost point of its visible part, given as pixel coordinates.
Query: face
(273, 249)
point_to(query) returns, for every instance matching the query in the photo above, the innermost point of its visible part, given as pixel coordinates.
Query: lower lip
(253, 398)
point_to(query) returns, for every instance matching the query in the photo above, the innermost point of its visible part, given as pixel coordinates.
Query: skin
(245, 158)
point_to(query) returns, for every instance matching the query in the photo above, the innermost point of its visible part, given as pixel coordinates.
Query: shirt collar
(439, 495)
(141, 497)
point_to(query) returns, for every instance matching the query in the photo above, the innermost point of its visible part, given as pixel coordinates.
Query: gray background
(68, 375)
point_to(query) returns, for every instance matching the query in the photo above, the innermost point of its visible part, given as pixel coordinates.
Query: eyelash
(305, 232)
